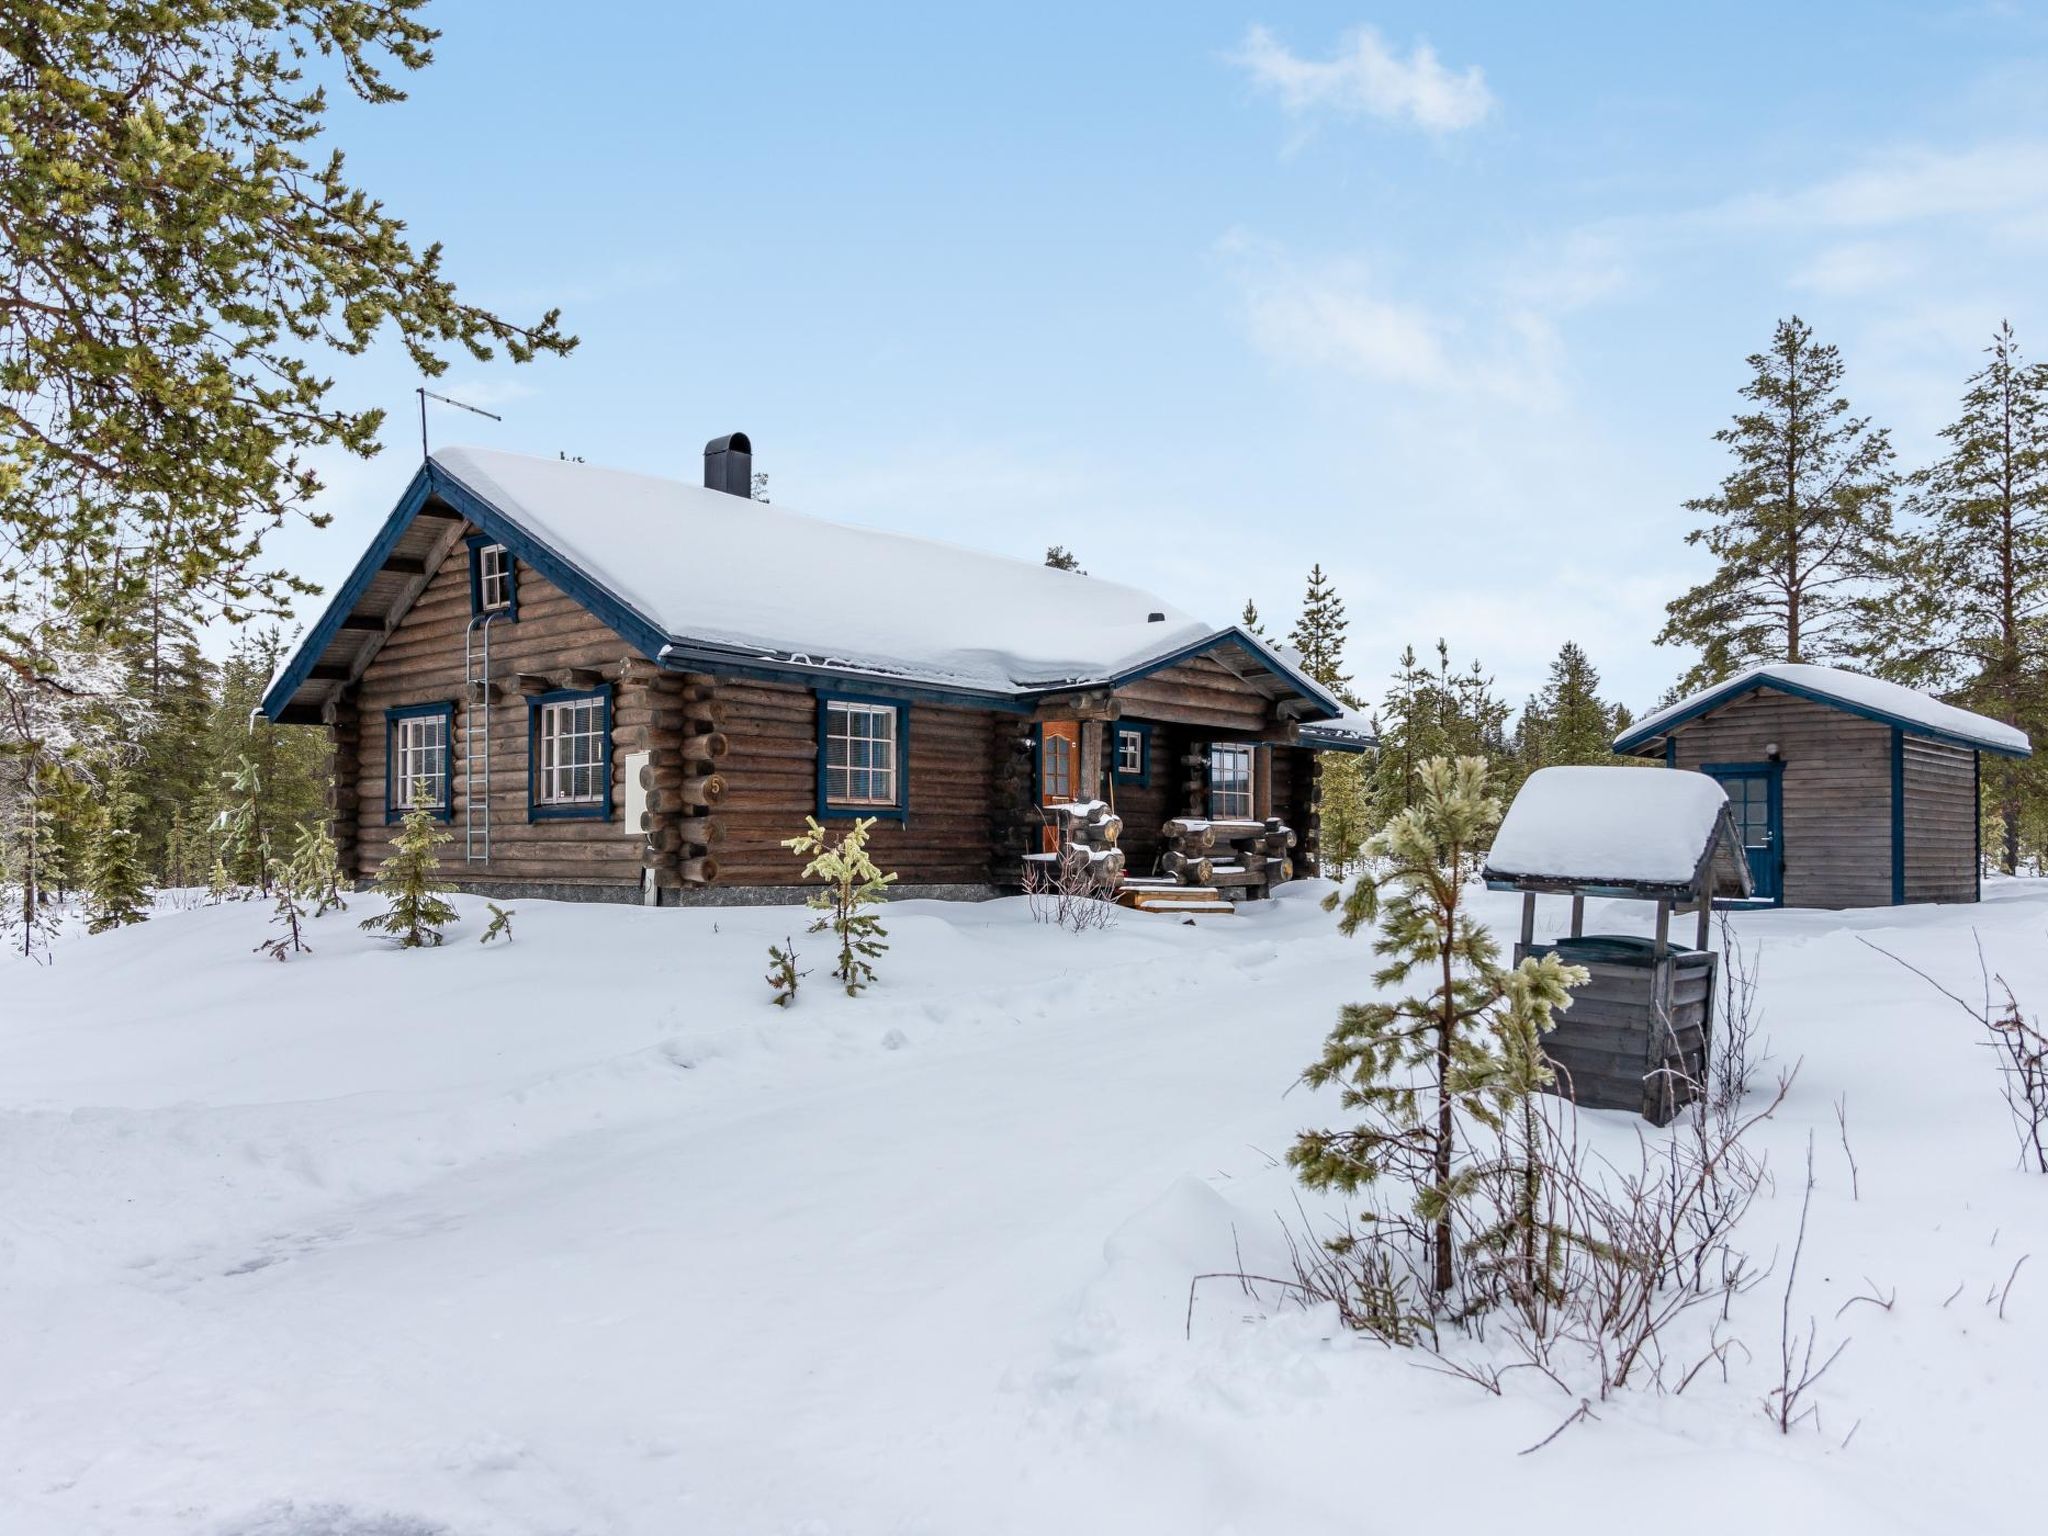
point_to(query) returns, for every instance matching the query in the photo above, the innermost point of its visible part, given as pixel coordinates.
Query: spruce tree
(1801, 527)
(288, 915)
(117, 883)
(1975, 575)
(315, 871)
(1250, 621)
(418, 907)
(853, 885)
(1424, 1068)
(1567, 721)
(1319, 636)
(1060, 558)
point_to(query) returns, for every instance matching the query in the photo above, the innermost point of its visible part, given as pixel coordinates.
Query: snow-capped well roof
(705, 566)
(1608, 826)
(1911, 710)
(1351, 731)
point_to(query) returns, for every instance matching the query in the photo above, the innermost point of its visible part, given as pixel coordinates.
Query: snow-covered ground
(581, 1235)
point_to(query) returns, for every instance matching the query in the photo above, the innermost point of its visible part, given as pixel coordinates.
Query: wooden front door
(1059, 770)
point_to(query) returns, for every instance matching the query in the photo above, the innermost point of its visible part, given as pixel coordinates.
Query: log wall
(1837, 845)
(422, 663)
(771, 779)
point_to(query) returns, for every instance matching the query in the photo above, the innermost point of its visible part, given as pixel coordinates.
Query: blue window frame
(863, 757)
(1131, 759)
(569, 755)
(419, 748)
(493, 578)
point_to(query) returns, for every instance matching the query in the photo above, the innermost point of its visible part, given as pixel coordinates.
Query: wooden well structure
(1639, 1033)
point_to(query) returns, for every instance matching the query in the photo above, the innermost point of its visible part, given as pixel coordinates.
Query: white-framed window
(419, 758)
(1056, 772)
(1230, 780)
(862, 759)
(569, 748)
(1130, 753)
(493, 578)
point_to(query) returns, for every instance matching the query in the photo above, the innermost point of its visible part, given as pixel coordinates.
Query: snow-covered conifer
(116, 883)
(853, 884)
(1422, 1068)
(418, 908)
(288, 915)
(315, 871)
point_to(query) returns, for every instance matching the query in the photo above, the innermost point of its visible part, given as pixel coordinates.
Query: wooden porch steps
(1171, 896)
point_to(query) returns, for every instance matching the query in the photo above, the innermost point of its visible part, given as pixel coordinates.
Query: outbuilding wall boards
(1940, 822)
(1836, 843)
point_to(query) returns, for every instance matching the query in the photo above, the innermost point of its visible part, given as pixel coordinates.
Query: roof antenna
(425, 395)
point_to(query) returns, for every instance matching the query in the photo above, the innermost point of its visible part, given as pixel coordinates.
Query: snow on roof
(1906, 707)
(1350, 726)
(710, 567)
(1632, 825)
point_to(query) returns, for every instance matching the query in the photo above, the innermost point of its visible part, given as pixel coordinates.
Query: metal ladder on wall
(476, 766)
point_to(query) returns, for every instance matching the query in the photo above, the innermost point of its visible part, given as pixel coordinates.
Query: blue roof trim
(1640, 737)
(685, 656)
(322, 633)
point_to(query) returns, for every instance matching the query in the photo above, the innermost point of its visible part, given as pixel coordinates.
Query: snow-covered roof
(703, 565)
(1913, 711)
(701, 578)
(1623, 827)
(1351, 731)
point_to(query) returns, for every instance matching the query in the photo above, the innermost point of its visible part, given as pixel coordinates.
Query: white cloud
(1366, 78)
(1338, 315)
(1857, 267)
(2006, 178)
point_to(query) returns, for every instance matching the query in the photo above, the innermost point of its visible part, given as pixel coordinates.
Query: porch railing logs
(1089, 843)
(1239, 855)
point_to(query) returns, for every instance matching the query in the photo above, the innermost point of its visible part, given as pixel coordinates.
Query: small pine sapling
(853, 884)
(1421, 1068)
(500, 924)
(315, 871)
(245, 838)
(116, 883)
(783, 974)
(288, 915)
(419, 908)
(219, 884)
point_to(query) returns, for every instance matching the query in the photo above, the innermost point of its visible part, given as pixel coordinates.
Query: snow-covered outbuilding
(1638, 1033)
(1848, 791)
(617, 686)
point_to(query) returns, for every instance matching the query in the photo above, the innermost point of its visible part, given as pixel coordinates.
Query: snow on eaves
(1907, 707)
(1593, 825)
(708, 568)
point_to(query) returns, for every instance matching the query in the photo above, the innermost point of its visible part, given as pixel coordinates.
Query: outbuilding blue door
(1754, 795)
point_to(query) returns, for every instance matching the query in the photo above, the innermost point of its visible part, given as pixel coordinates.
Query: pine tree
(177, 243)
(290, 762)
(1567, 721)
(220, 885)
(1319, 636)
(419, 908)
(1250, 621)
(1801, 527)
(245, 834)
(1060, 558)
(288, 915)
(117, 883)
(1420, 1067)
(1428, 713)
(315, 871)
(1967, 616)
(853, 884)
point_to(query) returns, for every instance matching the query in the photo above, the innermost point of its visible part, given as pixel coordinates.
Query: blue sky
(1450, 298)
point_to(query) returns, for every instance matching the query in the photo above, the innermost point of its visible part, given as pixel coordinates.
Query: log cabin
(1847, 791)
(615, 686)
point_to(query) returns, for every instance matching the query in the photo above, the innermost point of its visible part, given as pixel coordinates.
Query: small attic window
(493, 578)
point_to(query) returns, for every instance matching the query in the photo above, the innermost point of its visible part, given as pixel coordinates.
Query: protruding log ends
(1251, 856)
(1188, 868)
(1189, 835)
(668, 834)
(670, 790)
(1077, 859)
(707, 747)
